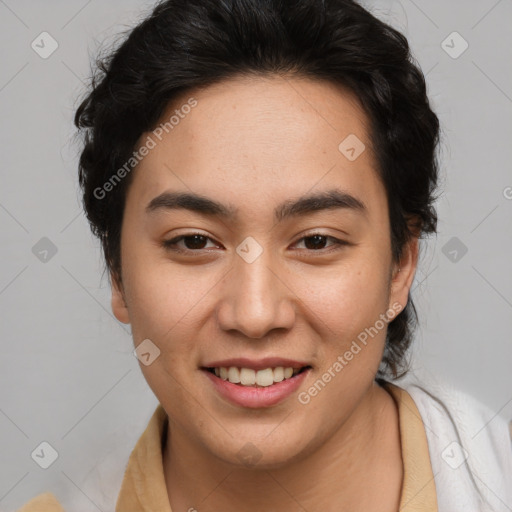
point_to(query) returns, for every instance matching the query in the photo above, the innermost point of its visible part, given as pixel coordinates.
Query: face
(265, 278)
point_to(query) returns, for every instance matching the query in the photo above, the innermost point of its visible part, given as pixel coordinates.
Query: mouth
(251, 383)
(250, 377)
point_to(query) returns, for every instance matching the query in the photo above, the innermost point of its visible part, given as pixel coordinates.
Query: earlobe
(119, 307)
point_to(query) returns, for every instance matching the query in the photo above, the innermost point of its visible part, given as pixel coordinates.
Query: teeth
(278, 374)
(247, 377)
(234, 375)
(265, 377)
(250, 377)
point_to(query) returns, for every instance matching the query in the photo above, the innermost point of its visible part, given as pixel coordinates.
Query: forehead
(275, 111)
(250, 137)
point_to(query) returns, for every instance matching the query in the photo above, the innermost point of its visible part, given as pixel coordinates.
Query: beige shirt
(144, 490)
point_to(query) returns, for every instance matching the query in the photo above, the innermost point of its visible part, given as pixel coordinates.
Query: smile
(247, 387)
(261, 378)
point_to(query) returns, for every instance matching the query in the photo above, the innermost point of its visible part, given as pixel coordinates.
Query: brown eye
(316, 242)
(193, 242)
(196, 242)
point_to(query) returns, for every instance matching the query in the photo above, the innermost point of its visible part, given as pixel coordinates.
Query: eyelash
(169, 244)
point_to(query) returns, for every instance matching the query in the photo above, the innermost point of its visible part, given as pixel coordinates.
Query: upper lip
(256, 364)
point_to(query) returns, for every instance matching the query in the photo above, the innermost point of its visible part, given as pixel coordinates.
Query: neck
(358, 468)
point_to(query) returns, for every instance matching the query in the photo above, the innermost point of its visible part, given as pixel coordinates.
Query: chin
(247, 452)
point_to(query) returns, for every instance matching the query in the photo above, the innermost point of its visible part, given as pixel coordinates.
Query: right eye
(195, 240)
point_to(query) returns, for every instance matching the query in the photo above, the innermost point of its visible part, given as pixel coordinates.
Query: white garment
(470, 449)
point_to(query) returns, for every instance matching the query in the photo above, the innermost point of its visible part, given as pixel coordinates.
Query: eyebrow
(327, 200)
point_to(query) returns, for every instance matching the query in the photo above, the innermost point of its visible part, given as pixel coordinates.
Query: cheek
(168, 304)
(346, 299)
(164, 304)
(353, 336)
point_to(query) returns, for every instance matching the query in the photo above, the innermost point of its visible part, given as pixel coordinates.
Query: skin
(254, 142)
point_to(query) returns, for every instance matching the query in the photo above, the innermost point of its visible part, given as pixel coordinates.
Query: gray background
(67, 370)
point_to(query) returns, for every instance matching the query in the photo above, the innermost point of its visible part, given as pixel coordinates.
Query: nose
(256, 298)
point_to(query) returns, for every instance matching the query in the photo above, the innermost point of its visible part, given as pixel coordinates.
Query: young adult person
(260, 174)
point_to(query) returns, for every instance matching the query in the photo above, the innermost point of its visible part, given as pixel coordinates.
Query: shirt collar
(144, 488)
(418, 487)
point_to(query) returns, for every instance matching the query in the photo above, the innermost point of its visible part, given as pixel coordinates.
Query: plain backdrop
(68, 374)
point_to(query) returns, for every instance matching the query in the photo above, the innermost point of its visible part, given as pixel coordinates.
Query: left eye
(197, 242)
(317, 237)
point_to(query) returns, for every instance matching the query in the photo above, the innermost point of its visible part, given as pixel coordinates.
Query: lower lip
(248, 396)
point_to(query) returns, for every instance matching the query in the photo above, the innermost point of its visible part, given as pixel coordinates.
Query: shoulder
(46, 502)
(469, 443)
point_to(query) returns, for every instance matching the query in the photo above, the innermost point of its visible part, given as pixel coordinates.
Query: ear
(403, 273)
(119, 307)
